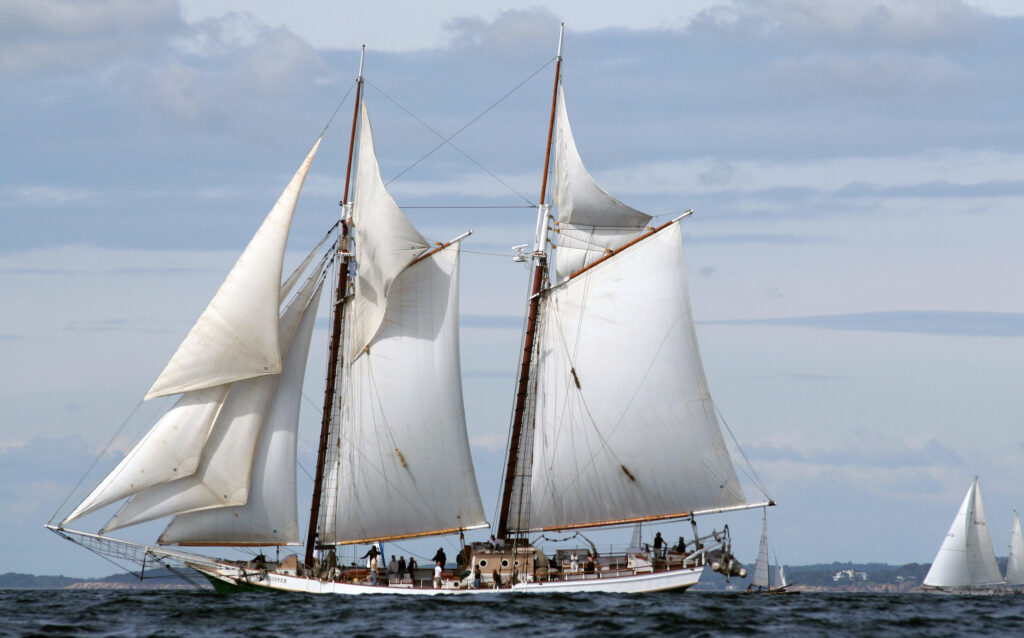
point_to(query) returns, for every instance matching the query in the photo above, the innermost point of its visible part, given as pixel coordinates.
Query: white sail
(271, 515)
(782, 578)
(236, 337)
(625, 426)
(386, 242)
(224, 472)
(169, 451)
(1015, 563)
(286, 287)
(966, 557)
(590, 220)
(403, 465)
(761, 577)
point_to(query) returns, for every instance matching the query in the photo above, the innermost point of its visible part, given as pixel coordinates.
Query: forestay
(625, 425)
(591, 221)
(402, 466)
(236, 337)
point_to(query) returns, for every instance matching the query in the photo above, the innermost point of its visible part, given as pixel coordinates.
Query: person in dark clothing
(373, 553)
(411, 568)
(401, 567)
(659, 544)
(439, 557)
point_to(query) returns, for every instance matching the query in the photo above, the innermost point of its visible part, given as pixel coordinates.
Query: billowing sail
(271, 515)
(590, 221)
(625, 426)
(169, 451)
(761, 574)
(1015, 563)
(224, 472)
(402, 464)
(966, 558)
(236, 337)
(386, 242)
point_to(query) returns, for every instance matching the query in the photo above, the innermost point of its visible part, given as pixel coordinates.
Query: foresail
(1015, 563)
(386, 242)
(169, 451)
(590, 220)
(223, 476)
(236, 337)
(271, 515)
(949, 569)
(401, 463)
(625, 426)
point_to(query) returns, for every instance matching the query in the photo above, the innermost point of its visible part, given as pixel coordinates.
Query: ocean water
(193, 613)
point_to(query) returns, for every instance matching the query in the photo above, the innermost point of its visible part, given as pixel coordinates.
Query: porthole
(517, 563)
(483, 562)
(504, 562)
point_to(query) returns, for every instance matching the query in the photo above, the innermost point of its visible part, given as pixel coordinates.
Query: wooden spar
(657, 517)
(540, 265)
(334, 354)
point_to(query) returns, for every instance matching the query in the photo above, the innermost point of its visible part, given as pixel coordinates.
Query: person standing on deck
(401, 568)
(476, 576)
(659, 544)
(437, 575)
(440, 557)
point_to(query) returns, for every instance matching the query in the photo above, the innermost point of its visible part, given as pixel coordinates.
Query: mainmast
(334, 354)
(540, 257)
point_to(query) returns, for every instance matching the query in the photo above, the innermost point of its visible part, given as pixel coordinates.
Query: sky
(854, 257)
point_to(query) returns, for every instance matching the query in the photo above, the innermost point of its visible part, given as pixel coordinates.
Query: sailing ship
(1015, 561)
(612, 425)
(966, 561)
(761, 582)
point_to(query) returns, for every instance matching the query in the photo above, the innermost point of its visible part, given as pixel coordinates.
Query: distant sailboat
(1015, 563)
(966, 560)
(761, 583)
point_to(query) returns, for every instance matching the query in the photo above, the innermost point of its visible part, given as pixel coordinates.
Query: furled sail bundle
(590, 220)
(966, 558)
(401, 463)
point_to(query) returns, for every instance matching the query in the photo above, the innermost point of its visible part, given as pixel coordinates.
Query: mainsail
(966, 557)
(1015, 563)
(400, 462)
(761, 569)
(624, 429)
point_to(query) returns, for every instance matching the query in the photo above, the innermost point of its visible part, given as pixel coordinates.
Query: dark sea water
(189, 613)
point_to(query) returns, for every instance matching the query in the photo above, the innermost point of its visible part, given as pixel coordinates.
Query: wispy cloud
(889, 453)
(950, 323)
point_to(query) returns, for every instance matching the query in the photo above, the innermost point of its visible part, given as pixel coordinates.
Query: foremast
(540, 267)
(334, 352)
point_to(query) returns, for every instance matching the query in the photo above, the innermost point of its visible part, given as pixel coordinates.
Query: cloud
(56, 35)
(512, 30)
(949, 323)
(885, 452)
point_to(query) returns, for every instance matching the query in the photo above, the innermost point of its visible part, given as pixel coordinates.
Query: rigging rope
(448, 140)
(753, 476)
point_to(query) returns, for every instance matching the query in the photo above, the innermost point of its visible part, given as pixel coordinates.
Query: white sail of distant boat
(762, 571)
(613, 422)
(966, 558)
(1015, 562)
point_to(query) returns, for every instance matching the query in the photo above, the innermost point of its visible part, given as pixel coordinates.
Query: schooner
(612, 423)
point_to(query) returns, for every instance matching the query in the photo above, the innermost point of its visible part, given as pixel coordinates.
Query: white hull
(677, 579)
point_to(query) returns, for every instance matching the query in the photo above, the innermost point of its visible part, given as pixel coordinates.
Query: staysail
(270, 517)
(590, 220)
(236, 337)
(225, 467)
(399, 463)
(1015, 563)
(966, 557)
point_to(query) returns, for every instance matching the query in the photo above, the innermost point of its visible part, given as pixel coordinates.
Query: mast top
(561, 32)
(362, 54)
